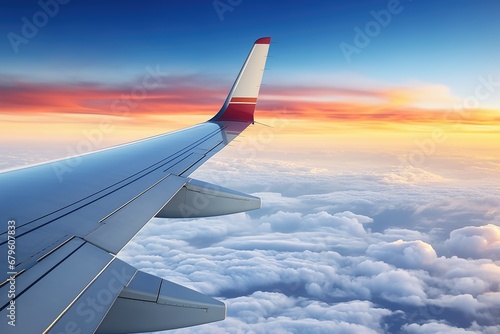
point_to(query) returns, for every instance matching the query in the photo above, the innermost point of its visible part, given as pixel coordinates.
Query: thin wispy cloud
(189, 95)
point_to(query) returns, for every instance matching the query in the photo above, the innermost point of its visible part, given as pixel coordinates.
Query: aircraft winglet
(240, 103)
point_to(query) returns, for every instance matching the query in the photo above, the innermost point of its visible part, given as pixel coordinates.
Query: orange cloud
(173, 97)
(387, 108)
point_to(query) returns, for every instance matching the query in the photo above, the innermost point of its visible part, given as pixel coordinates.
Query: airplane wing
(63, 222)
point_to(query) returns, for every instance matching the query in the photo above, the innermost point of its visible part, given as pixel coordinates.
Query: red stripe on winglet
(238, 112)
(263, 40)
(244, 99)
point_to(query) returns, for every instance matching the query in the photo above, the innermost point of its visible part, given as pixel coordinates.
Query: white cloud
(475, 242)
(404, 254)
(436, 328)
(335, 252)
(269, 312)
(398, 286)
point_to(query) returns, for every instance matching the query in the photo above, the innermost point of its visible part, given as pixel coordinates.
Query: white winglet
(241, 101)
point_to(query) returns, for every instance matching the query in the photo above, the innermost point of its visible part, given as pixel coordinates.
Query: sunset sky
(366, 73)
(378, 156)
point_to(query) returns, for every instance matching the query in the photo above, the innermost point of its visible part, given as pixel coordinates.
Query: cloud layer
(336, 252)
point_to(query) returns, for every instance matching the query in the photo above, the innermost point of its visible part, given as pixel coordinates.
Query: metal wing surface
(65, 221)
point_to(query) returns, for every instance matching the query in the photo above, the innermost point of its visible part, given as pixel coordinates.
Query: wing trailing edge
(150, 303)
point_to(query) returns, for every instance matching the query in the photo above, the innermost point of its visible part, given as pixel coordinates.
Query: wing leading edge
(72, 216)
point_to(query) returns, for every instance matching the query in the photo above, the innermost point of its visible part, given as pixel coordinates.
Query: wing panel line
(135, 197)
(178, 154)
(43, 275)
(78, 296)
(171, 157)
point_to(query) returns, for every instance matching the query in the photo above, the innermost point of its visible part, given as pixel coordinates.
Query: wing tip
(263, 40)
(241, 101)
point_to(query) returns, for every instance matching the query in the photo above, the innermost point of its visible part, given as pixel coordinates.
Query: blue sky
(427, 41)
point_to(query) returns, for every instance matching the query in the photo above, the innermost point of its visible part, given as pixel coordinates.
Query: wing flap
(149, 304)
(202, 199)
(145, 287)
